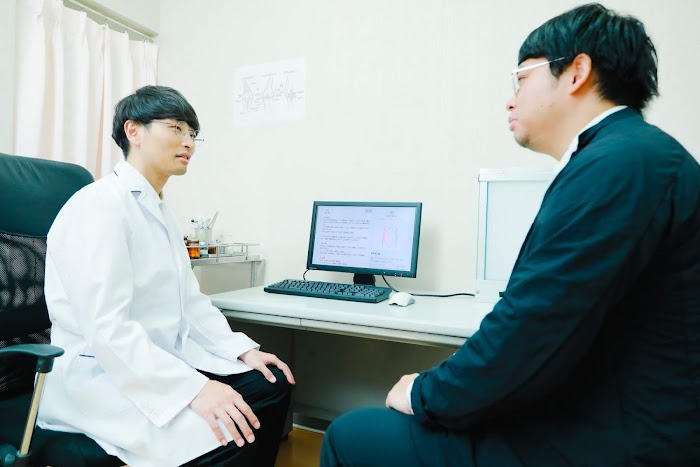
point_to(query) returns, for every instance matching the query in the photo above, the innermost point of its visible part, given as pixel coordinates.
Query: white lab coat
(126, 307)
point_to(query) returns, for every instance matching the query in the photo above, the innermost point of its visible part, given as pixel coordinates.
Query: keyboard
(352, 292)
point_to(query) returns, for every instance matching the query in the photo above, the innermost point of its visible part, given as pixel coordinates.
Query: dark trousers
(385, 437)
(269, 402)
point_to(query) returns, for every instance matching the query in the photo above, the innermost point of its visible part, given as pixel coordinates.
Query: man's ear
(133, 132)
(579, 74)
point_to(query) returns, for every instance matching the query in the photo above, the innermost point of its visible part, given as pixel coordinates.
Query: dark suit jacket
(592, 357)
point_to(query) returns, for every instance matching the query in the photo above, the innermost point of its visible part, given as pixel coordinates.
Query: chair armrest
(45, 354)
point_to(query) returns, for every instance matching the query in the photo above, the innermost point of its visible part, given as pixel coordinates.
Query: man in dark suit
(592, 356)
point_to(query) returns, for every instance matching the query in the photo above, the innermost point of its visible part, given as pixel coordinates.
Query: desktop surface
(429, 320)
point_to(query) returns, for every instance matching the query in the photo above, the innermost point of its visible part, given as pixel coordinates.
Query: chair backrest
(32, 192)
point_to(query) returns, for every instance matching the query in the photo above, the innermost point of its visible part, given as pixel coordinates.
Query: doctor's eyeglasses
(182, 130)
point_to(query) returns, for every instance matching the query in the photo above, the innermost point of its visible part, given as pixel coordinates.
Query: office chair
(32, 191)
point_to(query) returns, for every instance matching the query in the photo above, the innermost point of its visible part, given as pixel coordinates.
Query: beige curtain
(71, 72)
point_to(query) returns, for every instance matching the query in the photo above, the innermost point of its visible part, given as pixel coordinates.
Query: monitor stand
(364, 279)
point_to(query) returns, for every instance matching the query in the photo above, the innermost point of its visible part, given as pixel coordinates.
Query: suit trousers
(385, 437)
(270, 402)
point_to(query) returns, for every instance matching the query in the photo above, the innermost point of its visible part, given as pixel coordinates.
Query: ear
(580, 73)
(132, 130)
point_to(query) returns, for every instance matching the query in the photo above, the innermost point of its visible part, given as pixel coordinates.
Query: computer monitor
(509, 200)
(365, 238)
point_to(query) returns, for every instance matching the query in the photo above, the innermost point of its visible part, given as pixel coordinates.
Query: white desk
(348, 354)
(429, 321)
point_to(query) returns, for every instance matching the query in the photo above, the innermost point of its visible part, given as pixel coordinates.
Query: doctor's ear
(133, 131)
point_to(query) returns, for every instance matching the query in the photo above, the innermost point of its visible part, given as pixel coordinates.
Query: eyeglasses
(517, 71)
(182, 130)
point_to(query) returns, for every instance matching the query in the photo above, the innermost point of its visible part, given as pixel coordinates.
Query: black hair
(147, 104)
(622, 55)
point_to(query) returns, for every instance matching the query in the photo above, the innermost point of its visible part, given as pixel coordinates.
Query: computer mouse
(401, 299)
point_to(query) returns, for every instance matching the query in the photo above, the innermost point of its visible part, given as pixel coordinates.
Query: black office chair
(32, 191)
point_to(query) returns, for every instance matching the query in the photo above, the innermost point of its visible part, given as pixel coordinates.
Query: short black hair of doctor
(147, 104)
(622, 55)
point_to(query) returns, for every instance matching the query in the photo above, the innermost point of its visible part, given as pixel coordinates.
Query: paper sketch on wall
(269, 93)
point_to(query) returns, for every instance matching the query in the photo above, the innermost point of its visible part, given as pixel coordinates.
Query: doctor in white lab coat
(142, 343)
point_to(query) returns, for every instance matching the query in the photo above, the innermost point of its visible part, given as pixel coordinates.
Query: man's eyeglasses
(517, 71)
(182, 130)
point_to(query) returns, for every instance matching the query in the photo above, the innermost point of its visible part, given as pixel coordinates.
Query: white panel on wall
(512, 207)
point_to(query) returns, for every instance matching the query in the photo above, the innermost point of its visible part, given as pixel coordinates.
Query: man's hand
(219, 401)
(397, 398)
(259, 360)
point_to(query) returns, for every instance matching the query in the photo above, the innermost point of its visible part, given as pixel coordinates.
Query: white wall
(7, 74)
(405, 100)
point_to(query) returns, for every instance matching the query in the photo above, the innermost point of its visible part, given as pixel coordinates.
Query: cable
(303, 276)
(428, 294)
(387, 283)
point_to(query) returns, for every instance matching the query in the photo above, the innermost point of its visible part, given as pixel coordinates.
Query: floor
(301, 449)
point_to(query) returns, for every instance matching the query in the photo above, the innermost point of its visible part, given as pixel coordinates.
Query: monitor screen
(365, 238)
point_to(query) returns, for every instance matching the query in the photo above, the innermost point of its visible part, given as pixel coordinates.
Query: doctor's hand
(219, 401)
(259, 360)
(397, 398)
